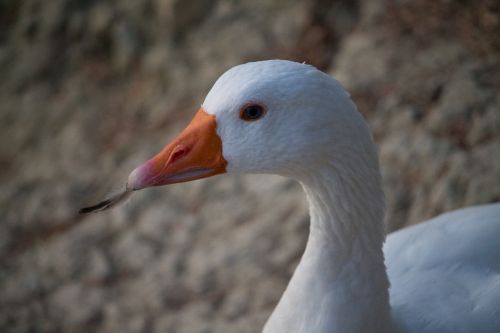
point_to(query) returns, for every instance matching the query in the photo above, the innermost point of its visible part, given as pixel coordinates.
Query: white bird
(286, 118)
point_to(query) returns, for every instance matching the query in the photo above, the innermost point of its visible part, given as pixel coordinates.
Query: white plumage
(442, 276)
(444, 273)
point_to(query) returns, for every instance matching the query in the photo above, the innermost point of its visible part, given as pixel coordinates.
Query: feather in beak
(111, 201)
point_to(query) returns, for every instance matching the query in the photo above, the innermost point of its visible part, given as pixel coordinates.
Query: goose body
(286, 118)
(445, 272)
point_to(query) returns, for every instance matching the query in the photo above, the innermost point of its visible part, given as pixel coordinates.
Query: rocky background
(89, 89)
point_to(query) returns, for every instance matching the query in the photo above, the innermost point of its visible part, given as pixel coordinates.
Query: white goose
(290, 119)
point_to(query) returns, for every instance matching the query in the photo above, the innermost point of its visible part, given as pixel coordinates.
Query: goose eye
(251, 112)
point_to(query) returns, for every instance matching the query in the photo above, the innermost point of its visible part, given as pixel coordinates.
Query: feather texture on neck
(341, 283)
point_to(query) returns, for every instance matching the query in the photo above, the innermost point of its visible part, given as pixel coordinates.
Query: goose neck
(340, 284)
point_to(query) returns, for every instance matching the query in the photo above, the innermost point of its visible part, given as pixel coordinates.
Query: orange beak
(196, 153)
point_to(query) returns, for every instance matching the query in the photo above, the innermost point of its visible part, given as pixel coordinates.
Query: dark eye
(251, 112)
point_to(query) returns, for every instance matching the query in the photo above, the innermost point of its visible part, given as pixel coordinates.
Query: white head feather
(292, 136)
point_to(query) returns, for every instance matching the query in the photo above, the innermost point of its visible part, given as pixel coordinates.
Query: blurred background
(90, 89)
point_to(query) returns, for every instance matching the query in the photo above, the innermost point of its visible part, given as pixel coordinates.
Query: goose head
(275, 117)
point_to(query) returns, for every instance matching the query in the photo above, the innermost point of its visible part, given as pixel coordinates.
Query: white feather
(444, 273)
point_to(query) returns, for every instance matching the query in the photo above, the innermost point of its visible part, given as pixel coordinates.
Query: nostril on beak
(177, 153)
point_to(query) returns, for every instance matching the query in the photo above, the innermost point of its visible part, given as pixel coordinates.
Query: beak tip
(138, 178)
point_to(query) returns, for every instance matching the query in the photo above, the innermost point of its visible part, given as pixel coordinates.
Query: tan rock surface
(90, 89)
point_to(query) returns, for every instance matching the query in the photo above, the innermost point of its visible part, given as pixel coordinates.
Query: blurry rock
(126, 46)
(90, 89)
(87, 311)
(183, 15)
(485, 125)
(462, 100)
(100, 18)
